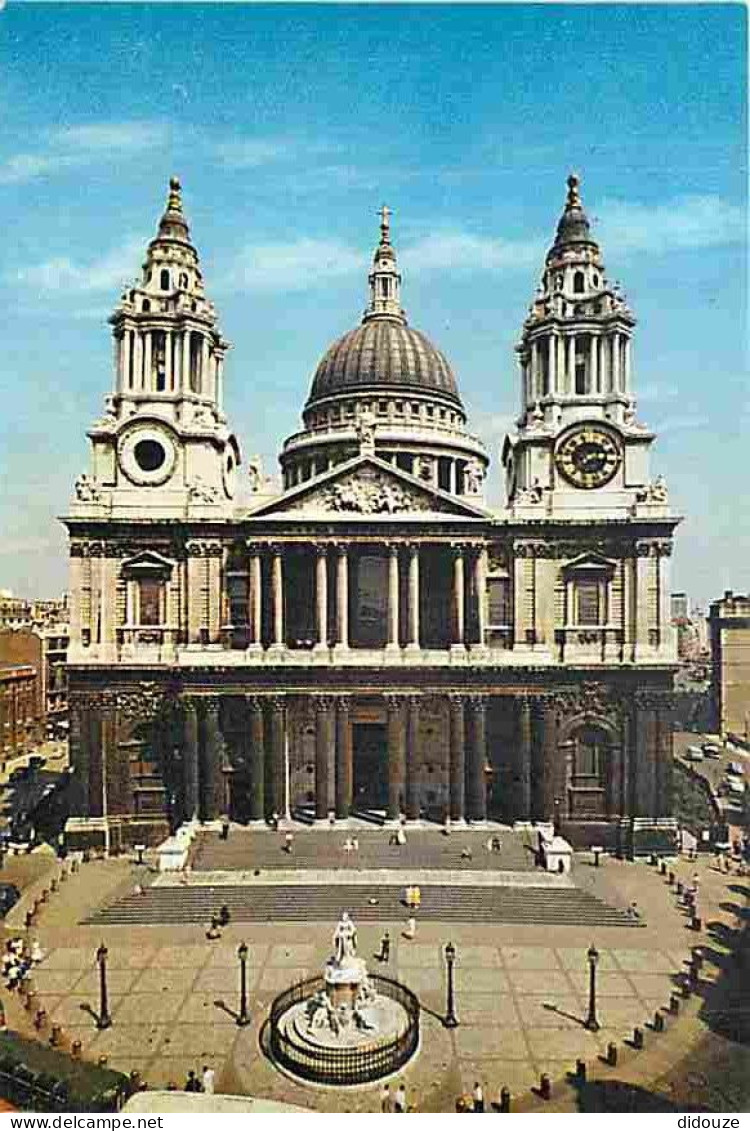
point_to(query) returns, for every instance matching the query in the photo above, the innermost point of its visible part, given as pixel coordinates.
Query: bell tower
(578, 448)
(163, 445)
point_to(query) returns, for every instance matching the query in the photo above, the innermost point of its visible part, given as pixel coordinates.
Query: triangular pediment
(371, 488)
(592, 561)
(148, 562)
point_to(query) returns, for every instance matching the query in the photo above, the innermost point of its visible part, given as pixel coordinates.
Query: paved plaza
(522, 990)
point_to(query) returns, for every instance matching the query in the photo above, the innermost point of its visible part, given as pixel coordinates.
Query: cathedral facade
(369, 637)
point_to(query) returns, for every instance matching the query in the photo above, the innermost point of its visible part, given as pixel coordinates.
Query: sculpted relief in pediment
(371, 492)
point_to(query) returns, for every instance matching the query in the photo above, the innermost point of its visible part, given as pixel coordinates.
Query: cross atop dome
(174, 200)
(574, 198)
(385, 225)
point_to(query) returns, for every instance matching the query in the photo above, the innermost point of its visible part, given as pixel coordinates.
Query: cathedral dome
(383, 352)
(573, 228)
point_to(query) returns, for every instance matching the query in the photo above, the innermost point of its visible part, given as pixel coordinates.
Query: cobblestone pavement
(521, 990)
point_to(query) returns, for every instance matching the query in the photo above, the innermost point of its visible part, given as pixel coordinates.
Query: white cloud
(684, 223)
(295, 266)
(465, 251)
(249, 153)
(78, 146)
(684, 423)
(114, 269)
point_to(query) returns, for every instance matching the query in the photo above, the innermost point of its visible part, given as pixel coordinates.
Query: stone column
(277, 597)
(257, 758)
(562, 376)
(480, 595)
(615, 353)
(393, 640)
(412, 760)
(342, 597)
(212, 785)
(190, 760)
(321, 596)
(476, 781)
(396, 755)
(125, 359)
(550, 775)
(255, 598)
(324, 756)
(459, 597)
(344, 758)
(593, 364)
(138, 361)
(203, 381)
(627, 358)
(524, 758)
(168, 360)
(276, 763)
(412, 641)
(457, 724)
(185, 363)
(147, 360)
(452, 477)
(534, 370)
(552, 363)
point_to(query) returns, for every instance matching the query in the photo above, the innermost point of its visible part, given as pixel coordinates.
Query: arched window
(146, 305)
(578, 283)
(164, 280)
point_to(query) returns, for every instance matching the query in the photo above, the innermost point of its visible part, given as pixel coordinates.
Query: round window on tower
(149, 455)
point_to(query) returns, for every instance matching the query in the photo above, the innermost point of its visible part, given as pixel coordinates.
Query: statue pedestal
(344, 981)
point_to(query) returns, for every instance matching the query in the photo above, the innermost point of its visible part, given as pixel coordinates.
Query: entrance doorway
(370, 752)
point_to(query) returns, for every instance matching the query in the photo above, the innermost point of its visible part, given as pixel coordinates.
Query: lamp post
(451, 1021)
(104, 1020)
(592, 1022)
(557, 804)
(243, 1017)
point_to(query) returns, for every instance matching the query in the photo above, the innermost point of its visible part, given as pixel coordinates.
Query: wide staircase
(246, 850)
(247, 903)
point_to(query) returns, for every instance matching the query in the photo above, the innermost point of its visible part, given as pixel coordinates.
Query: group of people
(219, 921)
(413, 897)
(351, 844)
(206, 1083)
(17, 961)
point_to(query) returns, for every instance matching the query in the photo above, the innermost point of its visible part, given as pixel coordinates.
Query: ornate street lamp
(104, 1020)
(451, 1021)
(592, 1022)
(243, 1017)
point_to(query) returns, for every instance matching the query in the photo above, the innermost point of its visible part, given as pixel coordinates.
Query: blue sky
(289, 126)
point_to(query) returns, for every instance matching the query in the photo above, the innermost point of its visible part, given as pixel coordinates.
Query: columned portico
(393, 638)
(459, 597)
(412, 759)
(321, 596)
(257, 806)
(342, 596)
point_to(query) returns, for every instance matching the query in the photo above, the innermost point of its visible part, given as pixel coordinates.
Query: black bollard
(545, 1086)
(581, 1070)
(612, 1054)
(637, 1038)
(671, 878)
(679, 887)
(505, 1099)
(663, 868)
(674, 1004)
(658, 1022)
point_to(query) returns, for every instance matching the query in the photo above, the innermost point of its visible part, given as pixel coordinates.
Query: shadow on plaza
(616, 1096)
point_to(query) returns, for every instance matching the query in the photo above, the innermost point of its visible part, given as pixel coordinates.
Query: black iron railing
(341, 1066)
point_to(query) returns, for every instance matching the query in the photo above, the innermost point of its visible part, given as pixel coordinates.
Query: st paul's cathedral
(367, 636)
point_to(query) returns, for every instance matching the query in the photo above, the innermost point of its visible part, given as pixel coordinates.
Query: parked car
(9, 895)
(693, 754)
(737, 769)
(711, 750)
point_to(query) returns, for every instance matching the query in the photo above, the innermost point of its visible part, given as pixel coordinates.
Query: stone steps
(311, 903)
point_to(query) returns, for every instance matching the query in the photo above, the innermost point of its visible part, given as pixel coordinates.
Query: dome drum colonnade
(374, 623)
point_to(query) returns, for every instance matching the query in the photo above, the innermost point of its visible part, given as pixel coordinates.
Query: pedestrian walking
(209, 1080)
(288, 842)
(225, 828)
(386, 1099)
(416, 897)
(385, 947)
(478, 1097)
(411, 928)
(224, 915)
(399, 1100)
(192, 1084)
(213, 931)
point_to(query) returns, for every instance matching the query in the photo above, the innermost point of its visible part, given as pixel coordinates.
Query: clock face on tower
(588, 457)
